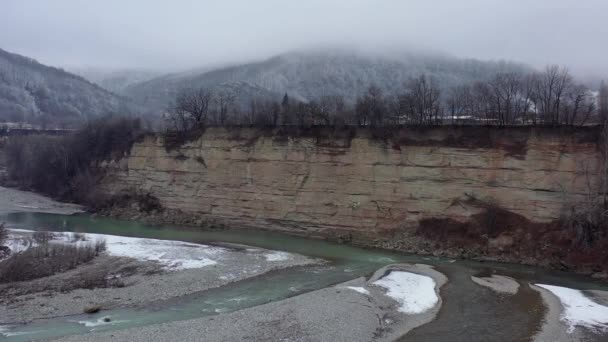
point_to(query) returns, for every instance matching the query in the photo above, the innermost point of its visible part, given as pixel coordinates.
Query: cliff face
(359, 183)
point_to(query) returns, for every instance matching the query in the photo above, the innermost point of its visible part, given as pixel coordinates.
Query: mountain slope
(310, 75)
(32, 92)
(115, 80)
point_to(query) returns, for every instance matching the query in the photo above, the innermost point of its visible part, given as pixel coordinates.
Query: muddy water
(472, 304)
(469, 312)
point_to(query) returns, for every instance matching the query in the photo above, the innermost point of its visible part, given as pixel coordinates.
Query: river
(469, 312)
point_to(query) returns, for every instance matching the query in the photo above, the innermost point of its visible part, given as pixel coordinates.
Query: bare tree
(275, 112)
(579, 105)
(265, 112)
(302, 114)
(330, 110)
(550, 88)
(191, 109)
(225, 103)
(252, 112)
(423, 101)
(461, 103)
(509, 103)
(603, 103)
(371, 108)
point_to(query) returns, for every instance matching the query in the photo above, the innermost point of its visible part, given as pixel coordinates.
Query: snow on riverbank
(172, 255)
(358, 289)
(277, 256)
(415, 293)
(578, 310)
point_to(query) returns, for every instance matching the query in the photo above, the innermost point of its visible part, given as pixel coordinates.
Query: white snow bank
(415, 293)
(18, 243)
(358, 289)
(172, 255)
(579, 310)
(277, 256)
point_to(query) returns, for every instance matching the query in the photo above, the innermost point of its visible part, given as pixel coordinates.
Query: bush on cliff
(61, 166)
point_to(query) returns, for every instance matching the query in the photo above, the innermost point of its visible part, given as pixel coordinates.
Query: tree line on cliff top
(551, 98)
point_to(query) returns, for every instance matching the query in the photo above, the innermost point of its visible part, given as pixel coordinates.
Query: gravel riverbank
(357, 310)
(142, 282)
(13, 200)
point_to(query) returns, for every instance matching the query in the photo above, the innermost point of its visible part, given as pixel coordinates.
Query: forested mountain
(39, 94)
(310, 75)
(35, 93)
(115, 80)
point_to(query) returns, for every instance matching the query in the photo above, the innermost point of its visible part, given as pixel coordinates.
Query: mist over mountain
(35, 93)
(308, 75)
(116, 80)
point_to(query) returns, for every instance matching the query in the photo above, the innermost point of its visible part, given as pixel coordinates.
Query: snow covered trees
(507, 98)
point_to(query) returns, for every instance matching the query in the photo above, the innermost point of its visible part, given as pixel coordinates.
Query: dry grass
(45, 260)
(42, 238)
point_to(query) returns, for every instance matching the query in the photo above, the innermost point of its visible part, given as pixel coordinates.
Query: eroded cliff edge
(460, 191)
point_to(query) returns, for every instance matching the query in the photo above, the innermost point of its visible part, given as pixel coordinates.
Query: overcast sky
(178, 34)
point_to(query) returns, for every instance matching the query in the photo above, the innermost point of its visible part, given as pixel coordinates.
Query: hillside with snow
(36, 93)
(308, 75)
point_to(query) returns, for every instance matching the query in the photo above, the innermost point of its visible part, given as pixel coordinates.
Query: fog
(181, 34)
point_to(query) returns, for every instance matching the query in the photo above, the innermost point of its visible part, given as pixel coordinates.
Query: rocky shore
(358, 310)
(141, 282)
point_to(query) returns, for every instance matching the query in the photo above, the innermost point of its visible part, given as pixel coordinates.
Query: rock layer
(362, 181)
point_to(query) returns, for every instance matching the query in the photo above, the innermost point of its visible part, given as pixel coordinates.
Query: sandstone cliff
(368, 185)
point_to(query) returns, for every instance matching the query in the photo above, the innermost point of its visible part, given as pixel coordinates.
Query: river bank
(14, 200)
(487, 250)
(141, 282)
(358, 310)
(454, 301)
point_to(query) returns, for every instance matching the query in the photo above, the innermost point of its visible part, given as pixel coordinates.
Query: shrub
(144, 202)
(100, 246)
(488, 219)
(588, 221)
(78, 237)
(42, 261)
(3, 234)
(42, 238)
(60, 166)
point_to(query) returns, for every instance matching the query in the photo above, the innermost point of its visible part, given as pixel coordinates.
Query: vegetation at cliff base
(63, 166)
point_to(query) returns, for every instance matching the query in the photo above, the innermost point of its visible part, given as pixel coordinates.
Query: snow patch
(172, 255)
(578, 310)
(415, 293)
(358, 289)
(27, 206)
(277, 256)
(18, 243)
